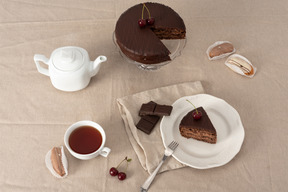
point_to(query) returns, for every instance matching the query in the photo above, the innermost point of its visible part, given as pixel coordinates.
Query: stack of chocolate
(150, 114)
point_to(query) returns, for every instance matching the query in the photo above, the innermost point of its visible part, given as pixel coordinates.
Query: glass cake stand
(175, 46)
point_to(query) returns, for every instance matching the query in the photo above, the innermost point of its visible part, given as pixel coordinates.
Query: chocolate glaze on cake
(144, 44)
(201, 129)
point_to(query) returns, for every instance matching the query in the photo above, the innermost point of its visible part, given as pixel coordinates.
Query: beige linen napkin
(150, 148)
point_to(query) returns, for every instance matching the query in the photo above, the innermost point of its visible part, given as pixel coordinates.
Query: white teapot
(69, 68)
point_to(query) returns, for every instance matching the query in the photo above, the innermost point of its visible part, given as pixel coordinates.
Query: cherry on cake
(140, 40)
(201, 129)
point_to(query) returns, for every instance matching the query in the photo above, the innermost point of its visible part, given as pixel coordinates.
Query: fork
(168, 152)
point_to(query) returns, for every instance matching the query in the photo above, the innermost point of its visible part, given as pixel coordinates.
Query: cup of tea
(85, 140)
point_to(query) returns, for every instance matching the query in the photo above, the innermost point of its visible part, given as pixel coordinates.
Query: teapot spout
(96, 64)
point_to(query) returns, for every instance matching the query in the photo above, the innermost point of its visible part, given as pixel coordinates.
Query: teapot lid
(68, 59)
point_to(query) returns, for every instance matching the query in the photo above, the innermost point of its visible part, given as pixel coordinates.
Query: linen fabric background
(34, 115)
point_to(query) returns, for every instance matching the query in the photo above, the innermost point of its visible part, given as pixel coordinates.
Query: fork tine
(173, 145)
(176, 145)
(170, 144)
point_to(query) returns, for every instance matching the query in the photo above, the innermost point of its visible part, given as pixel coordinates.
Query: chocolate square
(151, 118)
(147, 109)
(145, 126)
(162, 110)
(147, 123)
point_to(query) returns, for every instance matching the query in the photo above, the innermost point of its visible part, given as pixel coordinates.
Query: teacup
(85, 140)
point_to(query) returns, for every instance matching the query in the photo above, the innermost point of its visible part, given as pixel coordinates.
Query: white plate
(198, 154)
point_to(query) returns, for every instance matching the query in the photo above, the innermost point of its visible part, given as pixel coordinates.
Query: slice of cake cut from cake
(201, 129)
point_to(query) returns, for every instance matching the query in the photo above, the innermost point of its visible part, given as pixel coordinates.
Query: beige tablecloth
(34, 115)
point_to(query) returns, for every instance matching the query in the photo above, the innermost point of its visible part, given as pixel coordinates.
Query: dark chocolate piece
(153, 108)
(151, 118)
(162, 110)
(147, 123)
(147, 108)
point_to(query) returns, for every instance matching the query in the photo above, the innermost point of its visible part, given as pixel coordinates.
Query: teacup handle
(45, 60)
(105, 152)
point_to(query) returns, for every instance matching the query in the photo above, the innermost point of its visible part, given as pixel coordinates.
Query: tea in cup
(85, 140)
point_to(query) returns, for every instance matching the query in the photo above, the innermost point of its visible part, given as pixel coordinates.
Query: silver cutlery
(168, 152)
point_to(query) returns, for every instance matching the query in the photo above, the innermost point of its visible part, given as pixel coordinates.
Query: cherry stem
(121, 162)
(147, 11)
(127, 161)
(143, 10)
(126, 166)
(193, 106)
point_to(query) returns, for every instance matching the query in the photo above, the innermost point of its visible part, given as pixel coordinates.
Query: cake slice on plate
(201, 129)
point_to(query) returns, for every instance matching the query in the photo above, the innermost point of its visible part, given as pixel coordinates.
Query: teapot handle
(45, 60)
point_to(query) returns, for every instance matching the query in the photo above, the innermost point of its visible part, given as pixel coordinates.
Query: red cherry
(121, 176)
(142, 23)
(196, 115)
(150, 21)
(113, 171)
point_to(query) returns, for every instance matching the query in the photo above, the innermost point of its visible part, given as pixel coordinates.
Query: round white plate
(198, 154)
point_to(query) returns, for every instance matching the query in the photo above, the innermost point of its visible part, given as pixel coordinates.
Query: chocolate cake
(201, 129)
(144, 44)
